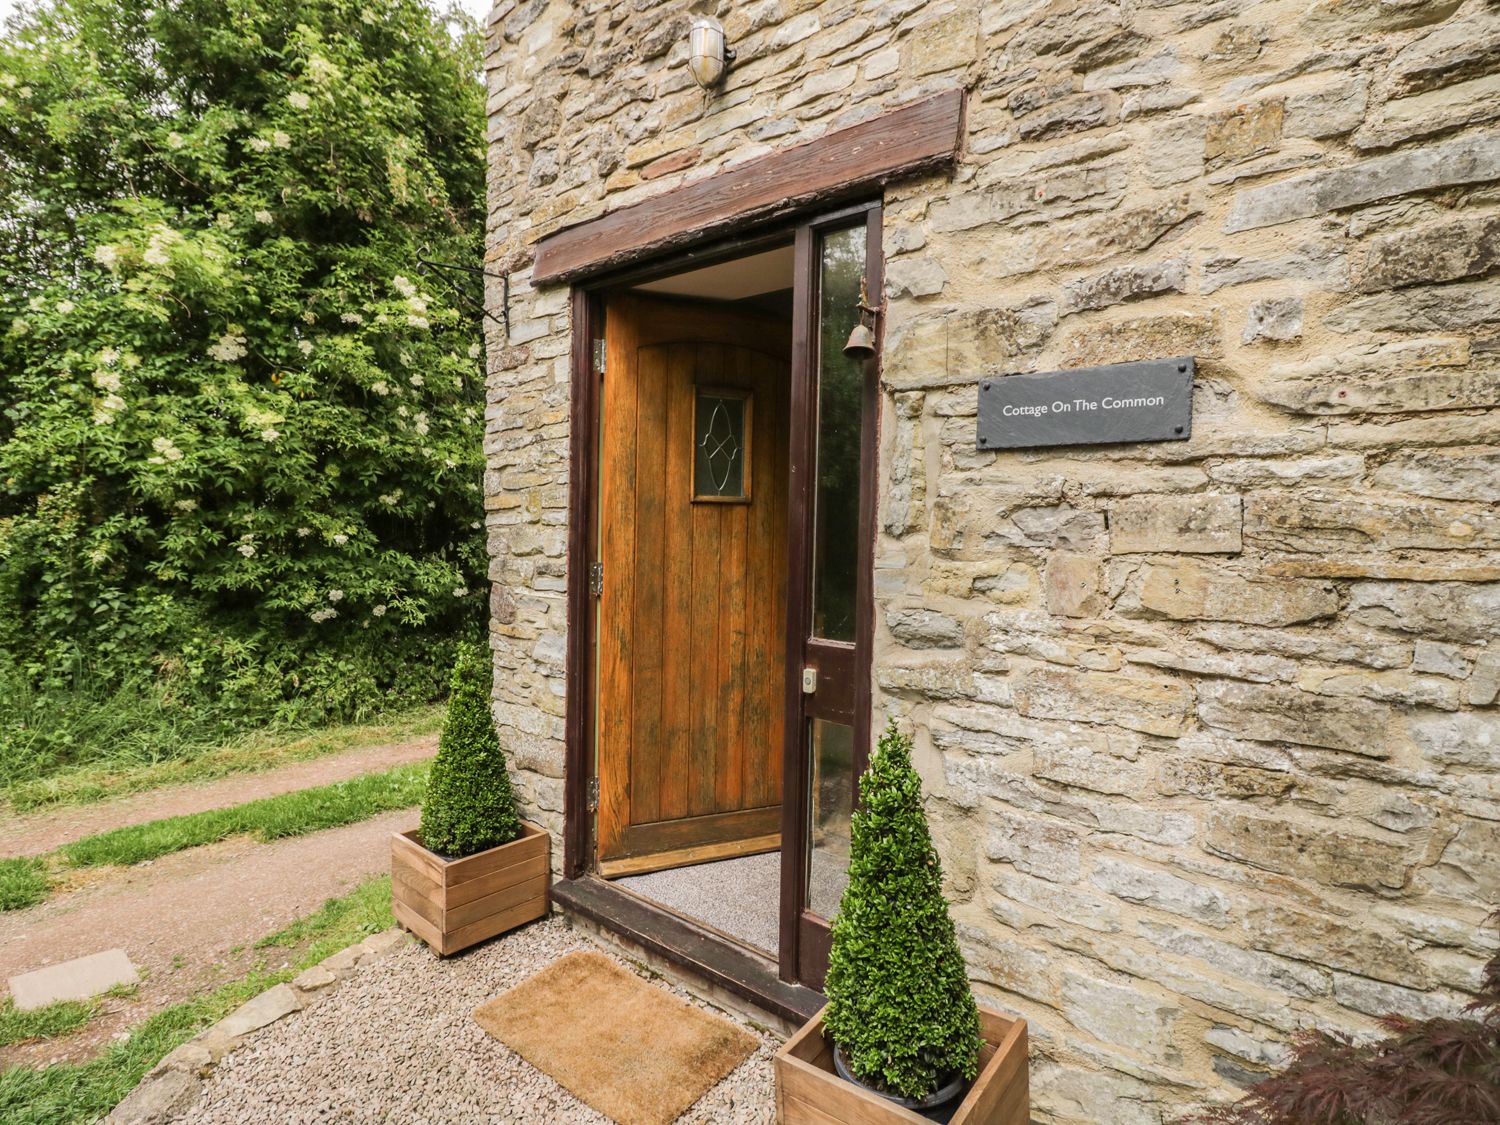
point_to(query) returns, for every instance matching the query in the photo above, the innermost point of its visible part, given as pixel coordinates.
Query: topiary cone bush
(469, 807)
(899, 1003)
(1425, 1072)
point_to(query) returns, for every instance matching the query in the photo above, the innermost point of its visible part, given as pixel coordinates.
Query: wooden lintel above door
(920, 137)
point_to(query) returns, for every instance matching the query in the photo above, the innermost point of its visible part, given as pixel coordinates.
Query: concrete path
(42, 832)
(188, 920)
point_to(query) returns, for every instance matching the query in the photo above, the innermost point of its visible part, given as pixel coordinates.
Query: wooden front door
(692, 595)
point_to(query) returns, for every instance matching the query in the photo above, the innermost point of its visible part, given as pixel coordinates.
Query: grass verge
(43, 1023)
(250, 754)
(271, 818)
(23, 882)
(84, 1092)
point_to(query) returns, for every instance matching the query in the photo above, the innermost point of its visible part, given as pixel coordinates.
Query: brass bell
(861, 345)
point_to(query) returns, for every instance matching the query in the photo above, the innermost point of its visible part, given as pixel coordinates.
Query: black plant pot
(936, 1106)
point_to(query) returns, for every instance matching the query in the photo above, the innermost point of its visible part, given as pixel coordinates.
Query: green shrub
(469, 804)
(240, 425)
(898, 993)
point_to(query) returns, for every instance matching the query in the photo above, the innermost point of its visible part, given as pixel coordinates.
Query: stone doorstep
(173, 1084)
(79, 979)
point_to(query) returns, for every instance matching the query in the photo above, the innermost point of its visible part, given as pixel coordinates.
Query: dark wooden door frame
(583, 547)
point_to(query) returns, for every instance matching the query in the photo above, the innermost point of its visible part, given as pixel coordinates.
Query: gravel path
(396, 1043)
(189, 919)
(39, 833)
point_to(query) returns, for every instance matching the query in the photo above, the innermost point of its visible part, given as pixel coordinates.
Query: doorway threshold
(717, 959)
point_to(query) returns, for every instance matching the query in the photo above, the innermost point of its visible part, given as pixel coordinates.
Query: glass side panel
(719, 445)
(832, 755)
(840, 386)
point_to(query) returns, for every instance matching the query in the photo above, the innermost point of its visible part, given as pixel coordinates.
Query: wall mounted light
(708, 56)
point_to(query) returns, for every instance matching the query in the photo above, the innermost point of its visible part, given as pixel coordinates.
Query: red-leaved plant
(1426, 1072)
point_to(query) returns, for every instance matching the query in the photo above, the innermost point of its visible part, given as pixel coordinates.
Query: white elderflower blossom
(309, 317)
(417, 304)
(351, 318)
(460, 591)
(417, 380)
(335, 595)
(322, 615)
(107, 381)
(305, 347)
(257, 144)
(403, 286)
(476, 525)
(167, 448)
(303, 532)
(108, 407)
(157, 248)
(231, 346)
(381, 387)
(475, 351)
(299, 100)
(108, 357)
(65, 307)
(418, 322)
(403, 412)
(264, 217)
(269, 435)
(246, 547)
(378, 611)
(281, 140)
(321, 71)
(186, 505)
(391, 499)
(176, 140)
(107, 255)
(20, 327)
(340, 539)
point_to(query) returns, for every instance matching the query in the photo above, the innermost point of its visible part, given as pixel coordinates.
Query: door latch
(809, 680)
(596, 579)
(593, 796)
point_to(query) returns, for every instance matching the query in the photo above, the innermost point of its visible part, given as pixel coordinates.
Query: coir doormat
(633, 1051)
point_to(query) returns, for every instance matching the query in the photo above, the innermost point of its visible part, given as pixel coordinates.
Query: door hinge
(599, 353)
(593, 794)
(596, 579)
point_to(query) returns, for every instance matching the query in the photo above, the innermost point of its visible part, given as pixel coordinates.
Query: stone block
(1443, 475)
(1125, 283)
(1262, 970)
(1309, 850)
(1345, 943)
(1071, 583)
(1467, 870)
(1160, 707)
(1218, 779)
(1461, 613)
(256, 1013)
(915, 277)
(1170, 334)
(1052, 902)
(1464, 161)
(1271, 713)
(1453, 307)
(1005, 964)
(1044, 848)
(1127, 1015)
(1484, 683)
(945, 43)
(1319, 521)
(1196, 524)
(1250, 1048)
(1070, 115)
(1080, 767)
(1184, 590)
(949, 679)
(925, 628)
(1376, 998)
(1161, 890)
(1276, 318)
(157, 1100)
(1462, 48)
(1436, 252)
(1328, 111)
(926, 349)
(1242, 132)
(1440, 659)
(79, 979)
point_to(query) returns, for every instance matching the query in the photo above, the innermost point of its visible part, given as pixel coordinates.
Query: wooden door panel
(693, 610)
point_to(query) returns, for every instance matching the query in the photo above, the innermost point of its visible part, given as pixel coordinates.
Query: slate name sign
(1148, 401)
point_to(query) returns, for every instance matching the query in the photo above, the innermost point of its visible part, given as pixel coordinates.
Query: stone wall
(1209, 728)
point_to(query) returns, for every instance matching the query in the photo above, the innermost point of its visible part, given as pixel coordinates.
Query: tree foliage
(239, 427)
(1424, 1072)
(898, 992)
(469, 806)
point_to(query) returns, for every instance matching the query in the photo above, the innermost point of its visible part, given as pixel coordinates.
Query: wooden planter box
(808, 1092)
(453, 903)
